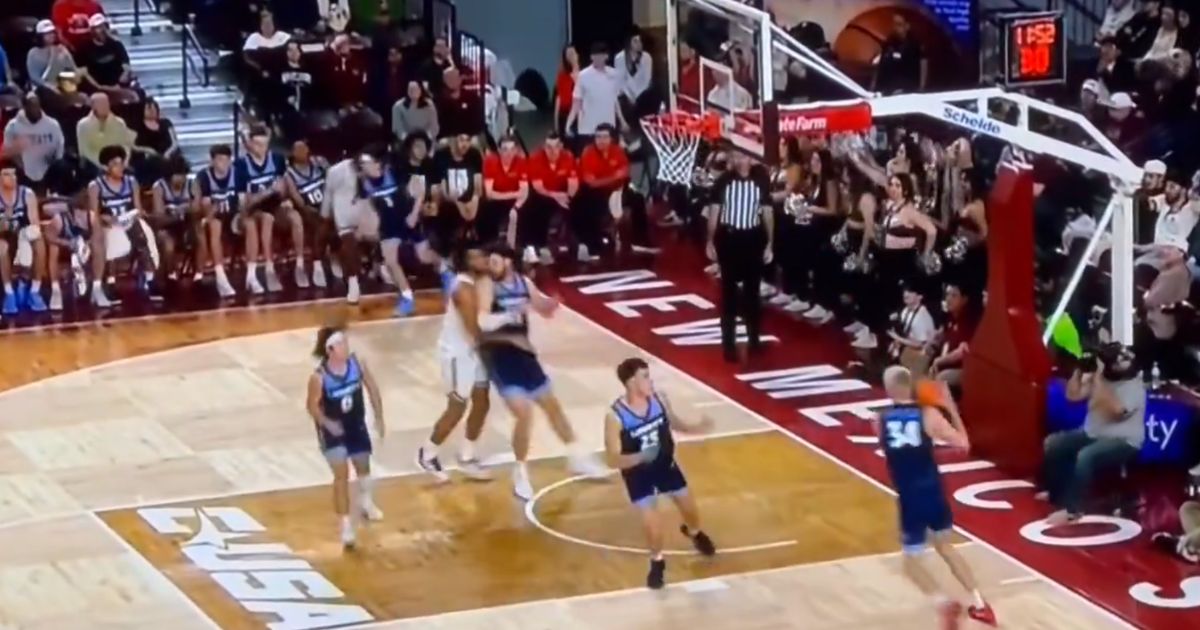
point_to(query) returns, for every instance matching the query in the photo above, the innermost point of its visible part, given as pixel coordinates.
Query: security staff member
(740, 234)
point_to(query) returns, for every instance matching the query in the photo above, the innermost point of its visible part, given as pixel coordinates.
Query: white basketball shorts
(462, 374)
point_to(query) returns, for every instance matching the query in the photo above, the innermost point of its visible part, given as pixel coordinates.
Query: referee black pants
(740, 258)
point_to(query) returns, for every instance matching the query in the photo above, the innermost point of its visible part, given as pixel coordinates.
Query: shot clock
(1035, 49)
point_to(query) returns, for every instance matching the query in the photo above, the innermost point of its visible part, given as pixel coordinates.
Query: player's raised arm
(612, 446)
(375, 397)
(541, 303)
(681, 424)
(943, 430)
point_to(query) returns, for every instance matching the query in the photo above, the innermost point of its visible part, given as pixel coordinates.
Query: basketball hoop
(676, 138)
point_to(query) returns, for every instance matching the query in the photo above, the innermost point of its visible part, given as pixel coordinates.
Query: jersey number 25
(649, 440)
(904, 433)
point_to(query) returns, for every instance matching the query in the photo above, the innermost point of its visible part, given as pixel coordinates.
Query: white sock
(352, 282)
(522, 469)
(8, 289)
(366, 489)
(466, 451)
(300, 261)
(251, 269)
(347, 524)
(407, 294)
(56, 287)
(656, 556)
(979, 601)
(149, 275)
(35, 286)
(96, 285)
(430, 447)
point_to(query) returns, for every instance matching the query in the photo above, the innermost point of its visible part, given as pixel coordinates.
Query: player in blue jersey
(173, 215)
(262, 204)
(398, 203)
(907, 431)
(215, 192)
(20, 237)
(337, 393)
(305, 186)
(115, 201)
(68, 229)
(506, 299)
(638, 441)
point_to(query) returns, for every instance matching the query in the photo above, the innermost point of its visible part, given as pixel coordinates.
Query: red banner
(796, 121)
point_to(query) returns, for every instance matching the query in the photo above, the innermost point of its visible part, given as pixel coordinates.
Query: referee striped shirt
(742, 197)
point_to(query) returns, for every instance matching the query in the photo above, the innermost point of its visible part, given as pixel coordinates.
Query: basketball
(929, 393)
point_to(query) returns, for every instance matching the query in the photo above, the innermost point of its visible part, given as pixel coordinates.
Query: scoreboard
(1034, 49)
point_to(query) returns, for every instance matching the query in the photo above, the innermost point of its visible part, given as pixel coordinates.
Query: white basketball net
(676, 147)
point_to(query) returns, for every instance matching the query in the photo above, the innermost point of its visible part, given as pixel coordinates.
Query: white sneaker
(530, 255)
(99, 299)
(797, 306)
(273, 284)
(56, 301)
(352, 291)
(765, 290)
(854, 328)
(348, 533)
(587, 466)
(335, 268)
(583, 255)
(224, 288)
(318, 275)
(430, 463)
(252, 284)
(385, 274)
(865, 341)
(817, 314)
(370, 511)
(545, 256)
(522, 489)
(472, 469)
(300, 276)
(780, 299)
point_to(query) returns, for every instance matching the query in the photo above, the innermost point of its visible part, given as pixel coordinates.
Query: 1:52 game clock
(1035, 50)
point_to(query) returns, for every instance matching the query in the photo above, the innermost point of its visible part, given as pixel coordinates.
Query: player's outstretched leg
(427, 455)
(916, 569)
(652, 526)
(579, 461)
(341, 494)
(468, 461)
(686, 504)
(366, 488)
(979, 610)
(522, 412)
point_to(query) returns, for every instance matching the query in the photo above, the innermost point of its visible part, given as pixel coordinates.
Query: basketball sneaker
(656, 577)
(982, 614)
(10, 303)
(33, 300)
(300, 276)
(522, 488)
(370, 511)
(318, 275)
(430, 463)
(700, 541)
(347, 533)
(472, 469)
(587, 466)
(273, 284)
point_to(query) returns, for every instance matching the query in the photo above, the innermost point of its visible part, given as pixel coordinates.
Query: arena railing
(151, 5)
(189, 68)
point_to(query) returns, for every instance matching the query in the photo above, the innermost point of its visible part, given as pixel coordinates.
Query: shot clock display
(1035, 49)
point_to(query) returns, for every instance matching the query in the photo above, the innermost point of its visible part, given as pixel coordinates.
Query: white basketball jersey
(455, 340)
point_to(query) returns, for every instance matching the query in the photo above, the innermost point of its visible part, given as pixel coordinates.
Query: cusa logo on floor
(266, 578)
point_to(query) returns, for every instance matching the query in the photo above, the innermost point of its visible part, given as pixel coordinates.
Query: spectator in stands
(962, 317)
(634, 70)
(1173, 90)
(729, 95)
(99, 129)
(1122, 125)
(1177, 218)
(155, 144)
(390, 84)
(1165, 37)
(266, 37)
(71, 17)
(1116, 15)
(506, 189)
(1186, 546)
(1114, 71)
(294, 92)
(104, 57)
(595, 98)
(1189, 31)
(901, 65)
(689, 73)
(7, 78)
(415, 113)
(564, 88)
(457, 111)
(347, 75)
(554, 177)
(433, 71)
(912, 331)
(1112, 433)
(603, 174)
(458, 178)
(36, 140)
(49, 59)
(1139, 32)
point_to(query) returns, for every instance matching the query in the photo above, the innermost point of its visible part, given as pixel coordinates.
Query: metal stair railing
(188, 67)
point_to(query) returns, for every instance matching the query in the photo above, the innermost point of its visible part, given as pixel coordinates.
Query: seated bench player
(115, 203)
(21, 244)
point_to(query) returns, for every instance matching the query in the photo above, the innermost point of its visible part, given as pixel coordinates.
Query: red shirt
(505, 180)
(597, 165)
(348, 79)
(70, 17)
(564, 91)
(553, 176)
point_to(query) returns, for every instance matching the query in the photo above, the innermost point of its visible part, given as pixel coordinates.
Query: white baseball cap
(1155, 167)
(44, 26)
(97, 20)
(1121, 100)
(1091, 85)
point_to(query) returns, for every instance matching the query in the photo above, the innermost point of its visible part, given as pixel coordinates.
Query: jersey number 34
(904, 433)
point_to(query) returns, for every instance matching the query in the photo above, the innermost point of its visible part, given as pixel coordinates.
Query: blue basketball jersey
(221, 190)
(383, 192)
(255, 177)
(310, 184)
(16, 209)
(116, 201)
(906, 446)
(643, 432)
(175, 203)
(342, 395)
(512, 296)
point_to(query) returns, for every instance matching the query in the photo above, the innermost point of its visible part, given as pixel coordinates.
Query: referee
(740, 234)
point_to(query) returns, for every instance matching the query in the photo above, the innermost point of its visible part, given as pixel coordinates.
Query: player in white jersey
(463, 374)
(351, 216)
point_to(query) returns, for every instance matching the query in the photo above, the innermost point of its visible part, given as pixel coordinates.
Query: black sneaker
(700, 541)
(654, 579)
(152, 290)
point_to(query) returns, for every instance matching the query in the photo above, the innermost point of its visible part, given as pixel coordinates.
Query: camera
(1088, 363)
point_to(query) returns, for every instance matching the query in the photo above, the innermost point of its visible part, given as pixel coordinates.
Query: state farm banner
(797, 120)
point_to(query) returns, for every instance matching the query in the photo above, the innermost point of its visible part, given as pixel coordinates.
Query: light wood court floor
(183, 490)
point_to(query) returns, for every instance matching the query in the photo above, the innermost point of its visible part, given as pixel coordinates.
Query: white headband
(334, 339)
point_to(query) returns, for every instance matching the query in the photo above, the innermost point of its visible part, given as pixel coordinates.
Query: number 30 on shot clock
(1035, 49)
